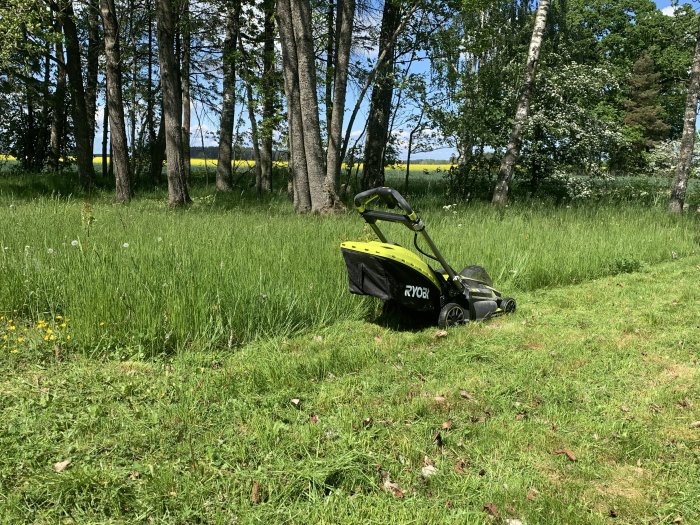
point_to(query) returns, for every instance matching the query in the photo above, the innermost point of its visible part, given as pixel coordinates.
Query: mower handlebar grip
(390, 197)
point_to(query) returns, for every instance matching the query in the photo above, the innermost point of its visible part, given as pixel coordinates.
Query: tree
(307, 155)
(644, 114)
(343, 37)
(120, 147)
(223, 166)
(268, 88)
(81, 117)
(680, 183)
(500, 194)
(92, 11)
(380, 103)
(178, 194)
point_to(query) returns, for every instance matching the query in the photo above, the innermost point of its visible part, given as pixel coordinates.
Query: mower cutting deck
(394, 274)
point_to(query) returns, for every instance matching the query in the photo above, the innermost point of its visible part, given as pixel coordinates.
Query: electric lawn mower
(400, 277)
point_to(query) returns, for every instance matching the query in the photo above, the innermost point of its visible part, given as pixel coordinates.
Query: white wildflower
(74, 243)
(125, 245)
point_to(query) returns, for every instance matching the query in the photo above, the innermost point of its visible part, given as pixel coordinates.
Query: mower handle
(390, 197)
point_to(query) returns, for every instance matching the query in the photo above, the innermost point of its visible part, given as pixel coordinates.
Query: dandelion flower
(20, 339)
(68, 338)
(62, 325)
(49, 331)
(14, 350)
(52, 338)
(12, 328)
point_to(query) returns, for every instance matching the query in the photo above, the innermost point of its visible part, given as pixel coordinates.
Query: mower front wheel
(452, 314)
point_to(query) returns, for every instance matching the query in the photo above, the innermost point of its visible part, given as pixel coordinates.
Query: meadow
(208, 365)
(144, 280)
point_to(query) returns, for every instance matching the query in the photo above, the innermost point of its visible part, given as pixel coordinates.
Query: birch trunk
(505, 175)
(680, 183)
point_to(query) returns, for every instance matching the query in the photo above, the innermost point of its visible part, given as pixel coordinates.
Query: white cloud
(669, 10)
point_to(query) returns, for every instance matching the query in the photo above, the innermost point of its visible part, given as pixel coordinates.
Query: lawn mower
(401, 278)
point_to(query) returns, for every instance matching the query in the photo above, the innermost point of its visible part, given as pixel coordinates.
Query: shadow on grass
(400, 319)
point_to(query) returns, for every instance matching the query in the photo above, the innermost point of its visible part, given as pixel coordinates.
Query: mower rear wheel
(452, 314)
(508, 305)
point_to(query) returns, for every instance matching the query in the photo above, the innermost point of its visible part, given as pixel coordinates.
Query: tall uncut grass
(145, 279)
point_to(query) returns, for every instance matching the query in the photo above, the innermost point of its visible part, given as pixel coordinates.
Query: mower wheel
(508, 305)
(452, 314)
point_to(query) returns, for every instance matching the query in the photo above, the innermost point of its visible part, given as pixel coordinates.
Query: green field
(208, 365)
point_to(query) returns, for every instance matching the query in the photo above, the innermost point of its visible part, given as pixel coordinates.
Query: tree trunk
(268, 97)
(157, 151)
(500, 193)
(81, 118)
(680, 183)
(416, 128)
(331, 59)
(105, 135)
(93, 55)
(186, 99)
(254, 135)
(380, 103)
(346, 17)
(58, 118)
(322, 197)
(131, 36)
(172, 104)
(120, 147)
(150, 95)
(223, 166)
(297, 159)
(381, 60)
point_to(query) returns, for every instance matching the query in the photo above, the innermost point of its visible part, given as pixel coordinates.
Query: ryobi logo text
(416, 291)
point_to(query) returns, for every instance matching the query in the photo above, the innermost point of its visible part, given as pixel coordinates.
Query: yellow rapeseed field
(202, 163)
